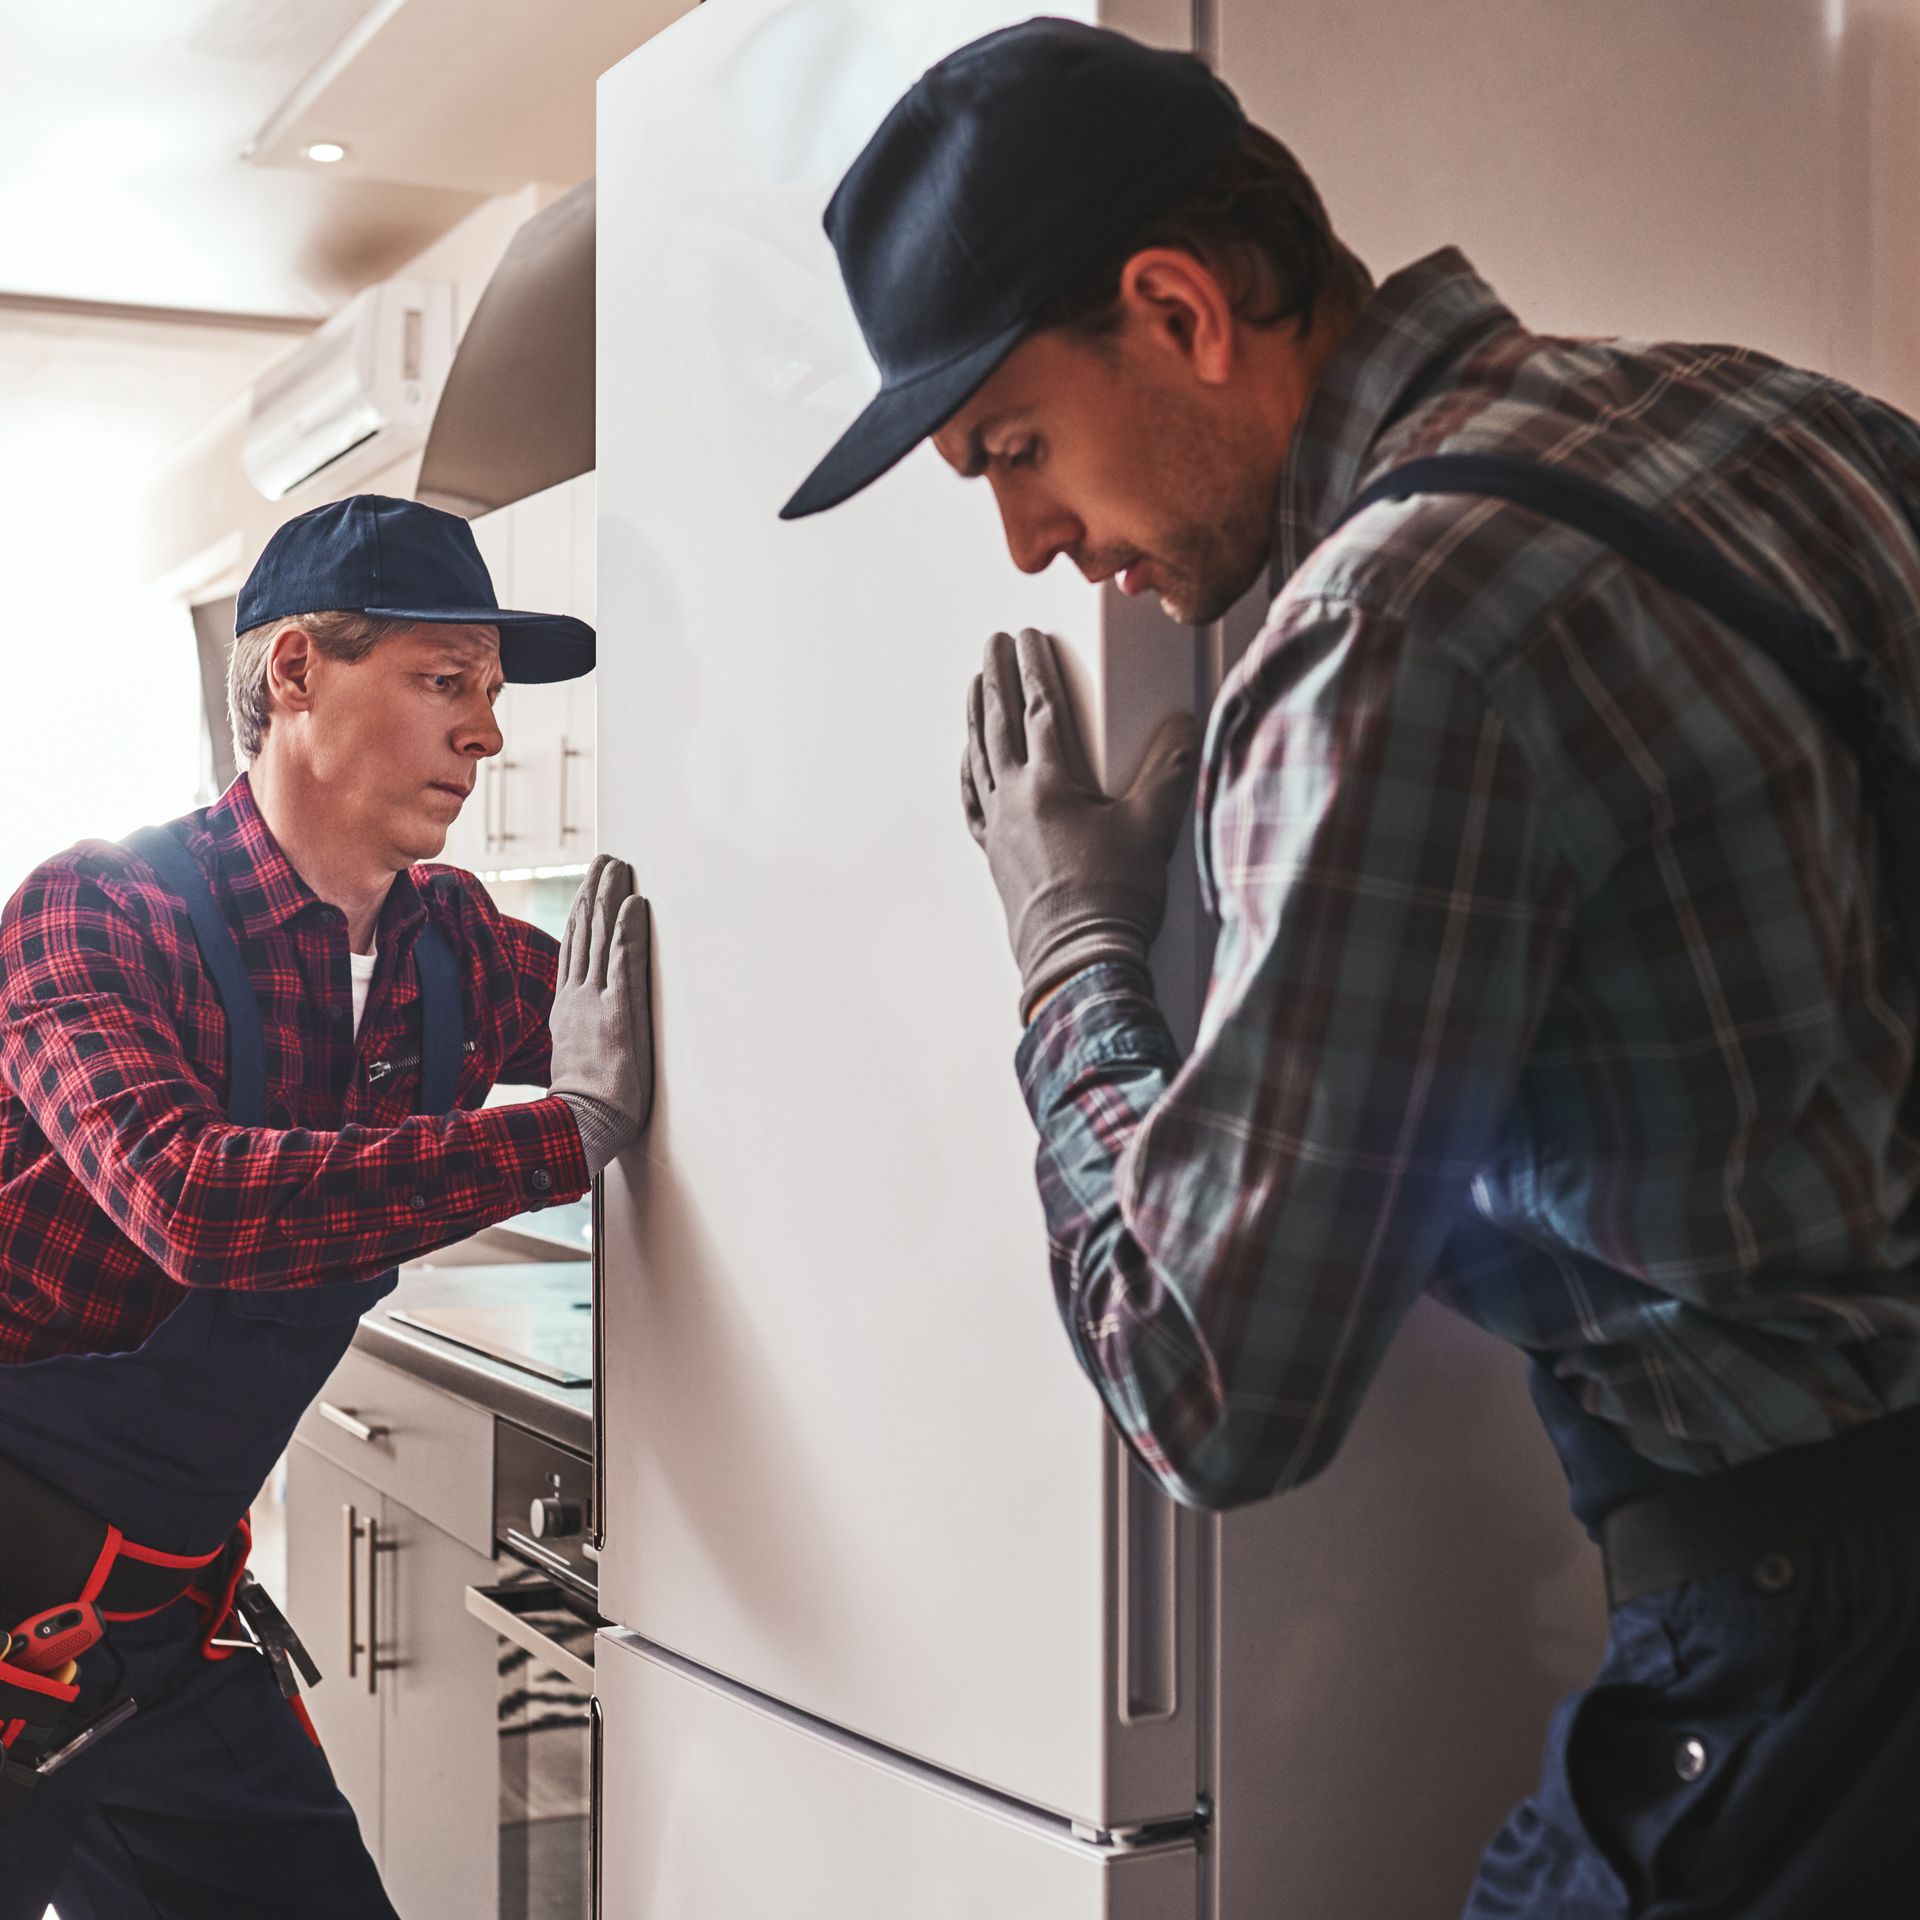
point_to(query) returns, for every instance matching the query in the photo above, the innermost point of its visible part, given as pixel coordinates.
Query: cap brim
(896, 420)
(534, 647)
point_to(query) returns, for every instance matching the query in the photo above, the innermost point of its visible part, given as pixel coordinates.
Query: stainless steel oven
(541, 1607)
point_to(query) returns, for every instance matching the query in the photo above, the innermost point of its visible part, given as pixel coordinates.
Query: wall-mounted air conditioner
(359, 393)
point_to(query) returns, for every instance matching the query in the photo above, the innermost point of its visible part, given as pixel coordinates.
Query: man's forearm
(218, 1205)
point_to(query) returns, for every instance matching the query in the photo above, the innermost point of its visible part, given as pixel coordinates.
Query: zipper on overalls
(377, 1070)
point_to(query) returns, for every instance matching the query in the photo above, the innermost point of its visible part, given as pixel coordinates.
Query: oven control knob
(557, 1519)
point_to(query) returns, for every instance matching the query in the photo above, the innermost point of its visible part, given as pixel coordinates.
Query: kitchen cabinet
(407, 1708)
(533, 804)
(322, 1501)
(439, 1740)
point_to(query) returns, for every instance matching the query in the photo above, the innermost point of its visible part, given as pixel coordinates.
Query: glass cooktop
(552, 1341)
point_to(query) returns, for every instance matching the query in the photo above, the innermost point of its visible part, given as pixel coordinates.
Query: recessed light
(325, 152)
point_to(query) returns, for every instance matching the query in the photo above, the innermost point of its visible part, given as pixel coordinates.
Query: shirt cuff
(1104, 1015)
(540, 1156)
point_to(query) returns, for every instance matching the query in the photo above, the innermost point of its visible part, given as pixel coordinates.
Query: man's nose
(480, 734)
(1037, 536)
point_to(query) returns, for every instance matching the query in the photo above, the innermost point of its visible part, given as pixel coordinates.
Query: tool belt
(1753, 1515)
(65, 1574)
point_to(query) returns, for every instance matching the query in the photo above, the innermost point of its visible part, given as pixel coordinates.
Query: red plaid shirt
(121, 1178)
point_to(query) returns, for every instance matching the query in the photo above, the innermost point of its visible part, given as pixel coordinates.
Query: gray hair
(339, 635)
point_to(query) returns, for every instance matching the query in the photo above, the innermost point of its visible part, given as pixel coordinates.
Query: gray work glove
(602, 1020)
(1083, 877)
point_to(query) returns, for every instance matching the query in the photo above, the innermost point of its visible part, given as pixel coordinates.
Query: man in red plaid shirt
(244, 1063)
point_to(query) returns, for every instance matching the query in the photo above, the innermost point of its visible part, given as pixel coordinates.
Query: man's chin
(1200, 605)
(1186, 609)
(422, 840)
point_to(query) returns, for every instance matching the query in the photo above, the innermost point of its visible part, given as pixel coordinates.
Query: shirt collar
(262, 889)
(1419, 322)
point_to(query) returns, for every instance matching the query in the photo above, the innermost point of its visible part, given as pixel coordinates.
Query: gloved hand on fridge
(1082, 876)
(602, 1020)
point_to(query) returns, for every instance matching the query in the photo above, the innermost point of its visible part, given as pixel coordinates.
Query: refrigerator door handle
(597, 1739)
(596, 1541)
(1149, 1542)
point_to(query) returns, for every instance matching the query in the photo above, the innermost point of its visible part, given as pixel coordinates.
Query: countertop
(561, 1288)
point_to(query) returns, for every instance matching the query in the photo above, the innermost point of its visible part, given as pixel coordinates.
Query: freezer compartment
(713, 1807)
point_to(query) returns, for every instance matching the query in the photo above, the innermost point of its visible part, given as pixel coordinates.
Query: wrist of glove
(602, 1019)
(605, 1132)
(1066, 929)
(1081, 874)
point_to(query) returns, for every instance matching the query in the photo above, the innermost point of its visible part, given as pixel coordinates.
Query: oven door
(545, 1740)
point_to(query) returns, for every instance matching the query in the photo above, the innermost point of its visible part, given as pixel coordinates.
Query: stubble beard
(1219, 521)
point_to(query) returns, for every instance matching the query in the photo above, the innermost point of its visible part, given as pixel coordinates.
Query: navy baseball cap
(1005, 170)
(400, 560)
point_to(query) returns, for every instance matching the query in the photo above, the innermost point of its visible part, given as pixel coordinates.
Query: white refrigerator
(899, 1634)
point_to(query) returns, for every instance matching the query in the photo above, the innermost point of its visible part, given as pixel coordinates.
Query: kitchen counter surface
(558, 1293)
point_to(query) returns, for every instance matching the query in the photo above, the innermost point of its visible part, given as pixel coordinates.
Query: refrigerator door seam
(1176, 1830)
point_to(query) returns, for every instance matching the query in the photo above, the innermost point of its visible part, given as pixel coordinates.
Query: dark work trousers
(211, 1803)
(1750, 1750)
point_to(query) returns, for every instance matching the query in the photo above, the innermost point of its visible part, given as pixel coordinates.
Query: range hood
(516, 415)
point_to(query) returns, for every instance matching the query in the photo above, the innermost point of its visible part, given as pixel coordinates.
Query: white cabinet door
(326, 1602)
(851, 1460)
(714, 1809)
(439, 1736)
(528, 823)
(578, 742)
(471, 843)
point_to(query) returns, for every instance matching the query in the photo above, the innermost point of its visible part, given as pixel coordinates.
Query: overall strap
(166, 853)
(1843, 688)
(442, 1027)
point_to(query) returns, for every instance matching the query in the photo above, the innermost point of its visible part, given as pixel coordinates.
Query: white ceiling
(470, 95)
(123, 124)
(121, 127)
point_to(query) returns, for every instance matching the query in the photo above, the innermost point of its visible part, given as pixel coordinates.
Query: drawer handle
(348, 1424)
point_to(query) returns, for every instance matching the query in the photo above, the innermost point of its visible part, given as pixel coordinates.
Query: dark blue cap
(400, 560)
(1007, 169)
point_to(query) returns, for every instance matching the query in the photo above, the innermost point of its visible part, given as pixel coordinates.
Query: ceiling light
(325, 152)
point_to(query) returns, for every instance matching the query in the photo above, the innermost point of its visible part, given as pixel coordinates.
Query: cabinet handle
(488, 769)
(567, 752)
(350, 1547)
(375, 1548)
(345, 1421)
(505, 767)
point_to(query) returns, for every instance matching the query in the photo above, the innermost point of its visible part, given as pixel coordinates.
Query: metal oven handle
(494, 1606)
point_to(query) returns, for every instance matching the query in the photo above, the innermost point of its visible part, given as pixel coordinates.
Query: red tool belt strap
(54, 1553)
(57, 1552)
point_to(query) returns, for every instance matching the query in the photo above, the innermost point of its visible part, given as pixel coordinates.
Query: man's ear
(291, 659)
(1184, 308)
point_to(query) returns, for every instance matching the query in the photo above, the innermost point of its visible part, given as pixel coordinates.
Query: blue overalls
(212, 1802)
(1750, 1749)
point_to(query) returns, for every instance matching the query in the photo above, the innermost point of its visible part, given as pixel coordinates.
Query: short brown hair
(339, 635)
(1255, 218)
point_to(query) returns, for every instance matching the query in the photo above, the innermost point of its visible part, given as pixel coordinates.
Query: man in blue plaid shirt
(1554, 976)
